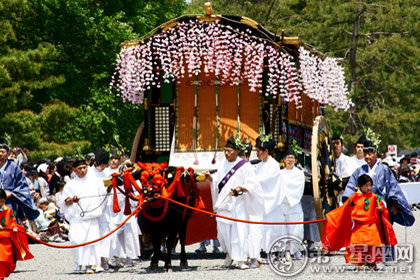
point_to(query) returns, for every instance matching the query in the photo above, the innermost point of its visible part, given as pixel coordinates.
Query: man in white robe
(125, 242)
(82, 205)
(100, 163)
(268, 175)
(237, 194)
(291, 191)
(359, 158)
(344, 165)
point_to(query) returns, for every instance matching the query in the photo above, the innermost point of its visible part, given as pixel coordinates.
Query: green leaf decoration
(295, 147)
(366, 207)
(372, 136)
(366, 200)
(243, 147)
(238, 142)
(265, 138)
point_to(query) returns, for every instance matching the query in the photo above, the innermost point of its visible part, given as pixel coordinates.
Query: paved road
(50, 263)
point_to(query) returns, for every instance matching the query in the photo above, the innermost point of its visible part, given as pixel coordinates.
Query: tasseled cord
(115, 207)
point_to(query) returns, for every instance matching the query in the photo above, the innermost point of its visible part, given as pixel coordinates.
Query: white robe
(268, 175)
(291, 192)
(239, 240)
(84, 224)
(105, 219)
(356, 163)
(344, 166)
(125, 242)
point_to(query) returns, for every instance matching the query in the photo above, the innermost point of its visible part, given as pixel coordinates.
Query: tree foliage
(65, 50)
(23, 65)
(57, 57)
(60, 123)
(23, 128)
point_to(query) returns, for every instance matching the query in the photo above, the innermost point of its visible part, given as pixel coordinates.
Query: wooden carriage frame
(184, 116)
(169, 110)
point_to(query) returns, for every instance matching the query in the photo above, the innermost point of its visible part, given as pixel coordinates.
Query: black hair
(363, 180)
(3, 194)
(341, 140)
(269, 144)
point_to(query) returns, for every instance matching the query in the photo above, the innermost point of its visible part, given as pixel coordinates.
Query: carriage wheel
(136, 142)
(322, 165)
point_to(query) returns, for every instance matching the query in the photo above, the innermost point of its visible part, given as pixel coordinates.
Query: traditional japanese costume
(13, 245)
(386, 185)
(360, 227)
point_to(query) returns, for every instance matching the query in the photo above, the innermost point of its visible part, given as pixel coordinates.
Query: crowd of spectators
(46, 179)
(406, 168)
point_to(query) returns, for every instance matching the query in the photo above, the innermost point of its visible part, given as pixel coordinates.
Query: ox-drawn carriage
(204, 78)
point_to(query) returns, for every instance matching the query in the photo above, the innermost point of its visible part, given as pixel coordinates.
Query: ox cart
(204, 78)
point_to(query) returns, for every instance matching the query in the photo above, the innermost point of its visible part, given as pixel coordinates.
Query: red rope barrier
(81, 244)
(242, 221)
(138, 209)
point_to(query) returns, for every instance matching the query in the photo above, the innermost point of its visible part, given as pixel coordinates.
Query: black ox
(163, 221)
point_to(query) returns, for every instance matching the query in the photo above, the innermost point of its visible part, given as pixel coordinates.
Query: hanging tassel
(200, 204)
(214, 157)
(217, 121)
(179, 189)
(195, 120)
(115, 206)
(128, 189)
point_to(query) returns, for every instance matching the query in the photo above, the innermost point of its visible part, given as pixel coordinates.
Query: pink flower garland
(323, 80)
(232, 55)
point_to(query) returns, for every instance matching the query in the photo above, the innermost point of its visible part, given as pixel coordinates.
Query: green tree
(106, 116)
(23, 66)
(60, 123)
(23, 128)
(65, 50)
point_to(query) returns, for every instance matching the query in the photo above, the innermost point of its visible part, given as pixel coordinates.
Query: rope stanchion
(138, 209)
(242, 221)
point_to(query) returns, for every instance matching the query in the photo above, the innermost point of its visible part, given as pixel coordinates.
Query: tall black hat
(78, 162)
(231, 143)
(289, 151)
(115, 153)
(101, 156)
(362, 139)
(4, 144)
(265, 142)
(369, 147)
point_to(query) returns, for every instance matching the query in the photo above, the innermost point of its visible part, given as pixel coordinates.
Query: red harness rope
(166, 195)
(239, 220)
(138, 209)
